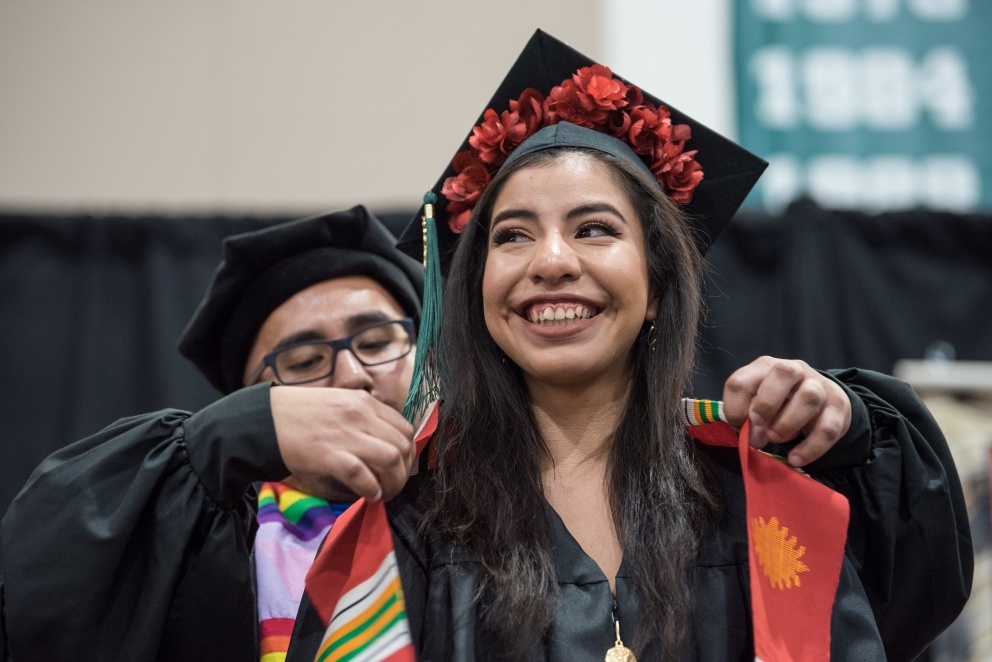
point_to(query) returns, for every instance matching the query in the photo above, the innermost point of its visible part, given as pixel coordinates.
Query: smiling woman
(567, 506)
(565, 223)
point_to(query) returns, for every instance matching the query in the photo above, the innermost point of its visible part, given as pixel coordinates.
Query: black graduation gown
(906, 573)
(440, 581)
(135, 543)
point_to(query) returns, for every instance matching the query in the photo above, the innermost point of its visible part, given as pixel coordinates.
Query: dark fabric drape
(842, 289)
(90, 311)
(91, 308)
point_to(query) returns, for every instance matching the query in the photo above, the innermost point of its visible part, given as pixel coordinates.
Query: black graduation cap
(264, 268)
(729, 171)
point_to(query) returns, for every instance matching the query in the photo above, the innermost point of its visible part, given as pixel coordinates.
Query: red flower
(530, 108)
(565, 104)
(457, 222)
(679, 175)
(601, 92)
(618, 125)
(681, 133)
(497, 136)
(635, 97)
(463, 190)
(649, 128)
(667, 150)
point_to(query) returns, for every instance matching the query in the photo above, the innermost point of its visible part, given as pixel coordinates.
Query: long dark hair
(489, 494)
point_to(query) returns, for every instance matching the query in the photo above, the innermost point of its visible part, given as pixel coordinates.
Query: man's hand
(784, 399)
(344, 436)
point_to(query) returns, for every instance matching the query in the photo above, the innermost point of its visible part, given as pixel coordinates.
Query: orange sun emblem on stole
(777, 552)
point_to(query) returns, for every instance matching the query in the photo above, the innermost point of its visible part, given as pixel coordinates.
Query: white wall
(291, 107)
(681, 51)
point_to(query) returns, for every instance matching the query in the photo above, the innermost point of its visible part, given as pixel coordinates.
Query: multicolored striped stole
(291, 527)
(796, 535)
(355, 585)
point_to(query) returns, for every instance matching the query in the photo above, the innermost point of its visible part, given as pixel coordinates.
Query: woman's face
(565, 289)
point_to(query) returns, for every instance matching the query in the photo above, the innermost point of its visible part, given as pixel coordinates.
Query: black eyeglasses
(311, 360)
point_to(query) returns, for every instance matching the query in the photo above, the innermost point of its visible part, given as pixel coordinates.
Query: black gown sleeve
(134, 544)
(908, 538)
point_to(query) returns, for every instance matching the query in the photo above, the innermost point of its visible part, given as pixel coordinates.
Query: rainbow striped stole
(292, 525)
(304, 516)
(794, 559)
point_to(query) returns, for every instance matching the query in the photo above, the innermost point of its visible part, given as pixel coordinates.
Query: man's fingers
(385, 423)
(393, 418)
(739, 389)
(832, 424)
(795, 410)
(774, 393)
(758, 392)
(362, 410)
(390, 464)
(373, 468)
(352, 472)
(784, 398)
(386, 447)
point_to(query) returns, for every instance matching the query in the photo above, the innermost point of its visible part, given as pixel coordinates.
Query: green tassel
(425, 386)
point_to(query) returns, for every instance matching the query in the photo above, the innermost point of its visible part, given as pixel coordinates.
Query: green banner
(868, 104)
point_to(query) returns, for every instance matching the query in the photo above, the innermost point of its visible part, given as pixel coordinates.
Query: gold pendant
(619, 652)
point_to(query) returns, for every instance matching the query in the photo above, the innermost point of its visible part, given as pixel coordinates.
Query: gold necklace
(619, 652)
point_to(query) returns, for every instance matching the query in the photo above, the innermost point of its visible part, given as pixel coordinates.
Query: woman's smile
(556, 319)
(565, 313)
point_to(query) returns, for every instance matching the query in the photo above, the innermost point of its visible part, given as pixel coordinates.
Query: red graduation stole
(354, 584)
(796, 533)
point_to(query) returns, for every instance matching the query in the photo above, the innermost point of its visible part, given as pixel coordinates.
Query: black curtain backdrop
(91, 308)
(841, 289)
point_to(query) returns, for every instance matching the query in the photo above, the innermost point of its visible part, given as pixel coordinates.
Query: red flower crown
(591, 98)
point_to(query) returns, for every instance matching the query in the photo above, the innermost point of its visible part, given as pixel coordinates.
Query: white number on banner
(939, 10)
(946, 89)
(837, 11)
(836, 89)
(884, 182)
(777, 103)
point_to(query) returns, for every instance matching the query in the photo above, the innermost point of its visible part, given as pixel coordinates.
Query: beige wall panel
(250, 105)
